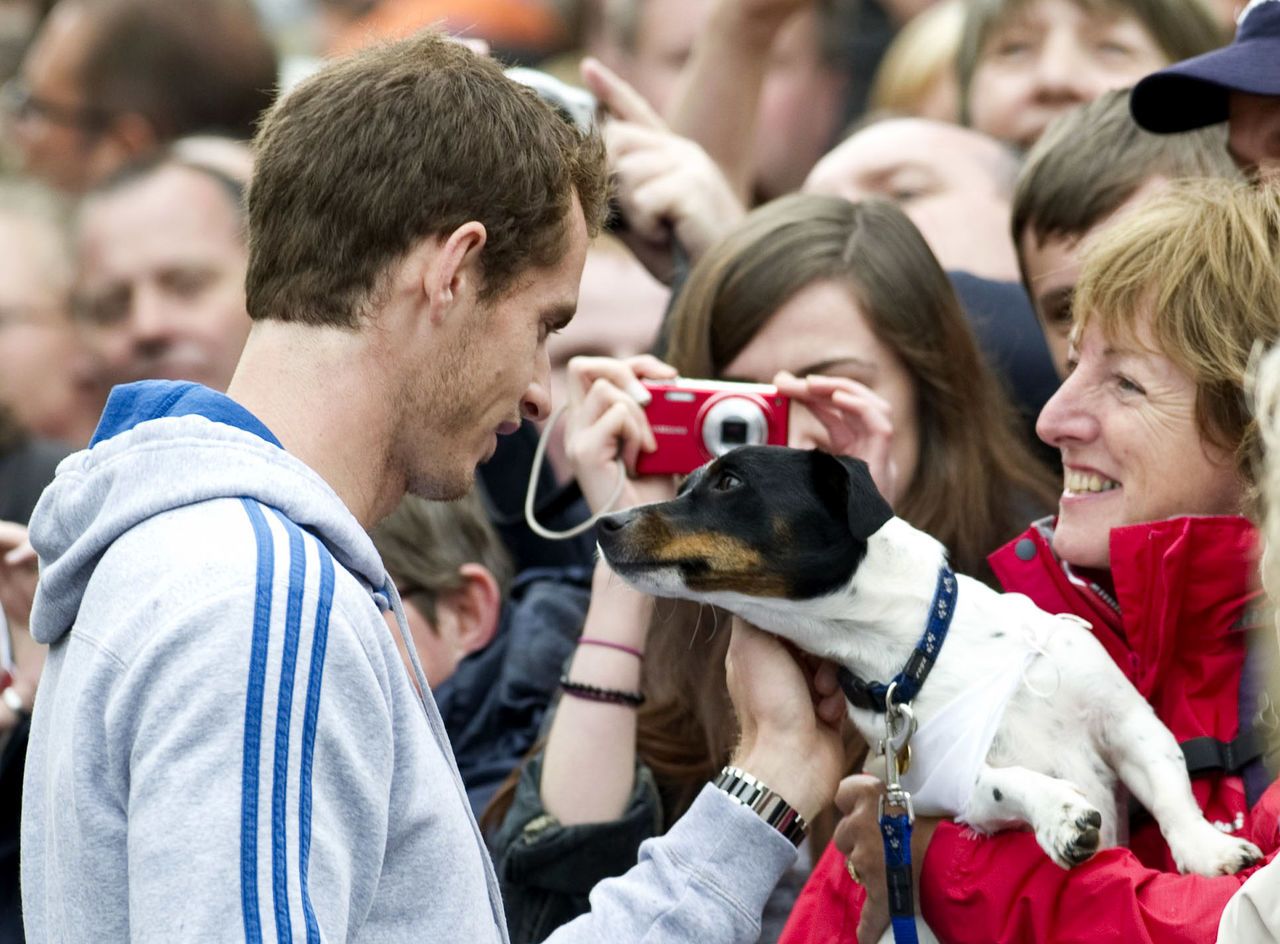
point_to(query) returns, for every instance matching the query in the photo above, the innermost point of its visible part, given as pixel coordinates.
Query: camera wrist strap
(530, 495)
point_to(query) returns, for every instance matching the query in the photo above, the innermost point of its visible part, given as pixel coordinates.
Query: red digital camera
(694, 421)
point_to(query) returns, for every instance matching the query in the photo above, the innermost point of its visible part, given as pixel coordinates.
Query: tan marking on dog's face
(731, 565)
(751, 583)
(719, 551)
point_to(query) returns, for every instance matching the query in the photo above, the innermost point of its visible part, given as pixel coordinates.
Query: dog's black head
(762, 521)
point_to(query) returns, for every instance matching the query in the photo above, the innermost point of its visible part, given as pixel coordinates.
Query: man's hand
(17, 573)
(790, 708)
(858, 838)
(667, 185)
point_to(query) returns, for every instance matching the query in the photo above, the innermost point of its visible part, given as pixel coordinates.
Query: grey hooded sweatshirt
(226, 746)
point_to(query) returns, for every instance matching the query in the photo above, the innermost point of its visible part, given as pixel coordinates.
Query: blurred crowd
(1020, 256)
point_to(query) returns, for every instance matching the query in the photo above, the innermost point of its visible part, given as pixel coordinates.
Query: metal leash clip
(899, 726)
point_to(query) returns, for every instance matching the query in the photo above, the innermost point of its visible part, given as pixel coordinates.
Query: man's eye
(186, 282)
(102, 311)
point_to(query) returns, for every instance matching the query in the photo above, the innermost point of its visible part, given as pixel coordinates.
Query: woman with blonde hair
(1154, 547)
(845, 309)
(917, 76)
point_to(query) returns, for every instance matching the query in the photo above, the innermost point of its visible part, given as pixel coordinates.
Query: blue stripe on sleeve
(284, 711)
(318, 641)
(253, 725)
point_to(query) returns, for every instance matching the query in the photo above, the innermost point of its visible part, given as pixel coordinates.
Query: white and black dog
(1024, 719)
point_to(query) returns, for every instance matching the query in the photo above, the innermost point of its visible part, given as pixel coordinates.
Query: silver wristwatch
(766, 804)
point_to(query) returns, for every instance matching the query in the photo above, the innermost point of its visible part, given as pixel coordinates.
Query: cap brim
(1194, 93)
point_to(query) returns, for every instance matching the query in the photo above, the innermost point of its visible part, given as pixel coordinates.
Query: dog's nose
(615, 522)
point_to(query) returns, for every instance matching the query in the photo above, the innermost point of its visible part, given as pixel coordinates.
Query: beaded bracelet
(611, 696)
(588, 641)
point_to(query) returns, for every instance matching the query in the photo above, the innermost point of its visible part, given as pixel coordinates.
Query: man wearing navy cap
(1239, 84)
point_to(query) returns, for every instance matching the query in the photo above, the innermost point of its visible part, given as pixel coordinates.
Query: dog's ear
(845, 485)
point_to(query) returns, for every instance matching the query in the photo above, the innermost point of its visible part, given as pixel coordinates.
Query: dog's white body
(1072, 724)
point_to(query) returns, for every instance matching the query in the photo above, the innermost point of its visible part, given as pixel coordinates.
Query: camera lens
(733, 432)
(731, 421)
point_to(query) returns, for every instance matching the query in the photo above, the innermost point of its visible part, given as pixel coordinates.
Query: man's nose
(536, 403)
(150, 317)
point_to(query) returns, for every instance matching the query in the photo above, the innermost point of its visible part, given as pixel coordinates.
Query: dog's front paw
(1207, 851)
(1070, 833)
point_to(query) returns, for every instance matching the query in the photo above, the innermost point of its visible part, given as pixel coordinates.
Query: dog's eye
(726, 481)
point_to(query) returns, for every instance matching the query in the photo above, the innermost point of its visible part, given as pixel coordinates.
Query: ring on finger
(852, 869)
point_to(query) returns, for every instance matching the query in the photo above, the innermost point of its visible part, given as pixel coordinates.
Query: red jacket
(1182, 586)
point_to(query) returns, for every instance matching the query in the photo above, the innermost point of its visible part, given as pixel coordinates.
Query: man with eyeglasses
(106, 82)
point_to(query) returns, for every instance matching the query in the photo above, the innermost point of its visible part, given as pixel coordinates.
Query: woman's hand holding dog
(858, 838)
(789, 709)
(605, 421)
(857, 421)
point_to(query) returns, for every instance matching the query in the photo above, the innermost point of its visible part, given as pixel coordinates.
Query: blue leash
(900, 724)
(896, 831)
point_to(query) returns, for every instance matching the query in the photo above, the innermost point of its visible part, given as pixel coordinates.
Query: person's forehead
(619, 308)
(157, 224)
(174, 201)
(1041, 13)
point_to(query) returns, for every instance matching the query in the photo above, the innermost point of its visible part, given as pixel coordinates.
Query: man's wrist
(762, 800)
(786, 775)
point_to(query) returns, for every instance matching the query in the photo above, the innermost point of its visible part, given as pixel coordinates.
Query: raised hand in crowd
(17, 590)
(669, 191)
(720, 88)
(18, 573)
(857, 421)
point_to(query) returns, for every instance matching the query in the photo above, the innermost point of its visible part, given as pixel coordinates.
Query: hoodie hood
(162, 445)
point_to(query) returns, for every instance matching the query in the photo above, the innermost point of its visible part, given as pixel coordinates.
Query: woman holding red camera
(844, 308)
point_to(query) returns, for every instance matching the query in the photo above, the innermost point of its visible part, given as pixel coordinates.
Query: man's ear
(844, 482)
(454, 270)
(476, 608)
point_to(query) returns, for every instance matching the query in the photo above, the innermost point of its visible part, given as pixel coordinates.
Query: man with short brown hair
(1091, 164)
(227, 744)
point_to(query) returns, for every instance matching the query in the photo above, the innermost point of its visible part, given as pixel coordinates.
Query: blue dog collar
(871, 695)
